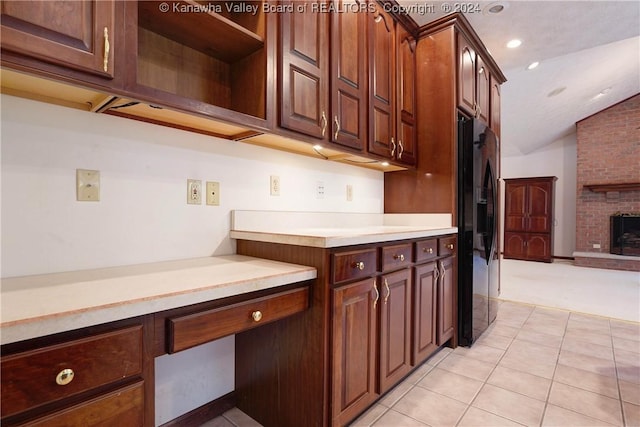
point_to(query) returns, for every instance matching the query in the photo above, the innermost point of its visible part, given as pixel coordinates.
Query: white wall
(557, 159)
(142, 215)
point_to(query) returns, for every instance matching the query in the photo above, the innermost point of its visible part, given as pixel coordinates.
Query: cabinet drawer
(198, 328)
(426, 250)
(35, 377)
(124, 407)
(395, 257)
(353, 265)
(447, 246)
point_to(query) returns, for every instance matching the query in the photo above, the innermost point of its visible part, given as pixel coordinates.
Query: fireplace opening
(625, 234)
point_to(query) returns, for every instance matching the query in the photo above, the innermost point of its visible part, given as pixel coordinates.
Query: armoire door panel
(540, 207)
(515, 208)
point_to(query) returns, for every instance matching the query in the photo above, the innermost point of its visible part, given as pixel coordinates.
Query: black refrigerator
(478, 258)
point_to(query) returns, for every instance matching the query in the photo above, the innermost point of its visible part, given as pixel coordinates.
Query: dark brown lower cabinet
(434, 307)
(395, 328)
(354, 327)
(100, 375)
(377, 311)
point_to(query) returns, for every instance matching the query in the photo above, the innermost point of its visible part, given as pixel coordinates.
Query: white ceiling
(582, 46)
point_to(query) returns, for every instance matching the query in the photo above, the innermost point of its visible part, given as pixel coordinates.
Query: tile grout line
(484, 383)
(555, 368)
(615, 367)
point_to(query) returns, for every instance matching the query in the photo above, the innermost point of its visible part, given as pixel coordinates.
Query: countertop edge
(337, 241)
(27, 328)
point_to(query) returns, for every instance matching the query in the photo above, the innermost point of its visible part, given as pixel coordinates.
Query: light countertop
(329, 230)
(33, 306)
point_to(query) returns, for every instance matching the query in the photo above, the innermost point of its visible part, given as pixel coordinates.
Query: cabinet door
(516, 207)
(538, 247)
(539, 207)
(405, 99)
(425, 296)
(382, 84)
(349, 74)
(514, 245)
(74, 34)
(483, 82)
(494, 113)
(353, 325)
(304, 70)
(466, 76)
(395, 327)
(446, 301)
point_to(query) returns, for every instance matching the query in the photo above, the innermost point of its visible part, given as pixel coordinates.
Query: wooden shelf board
(622, 186)
(207, 32)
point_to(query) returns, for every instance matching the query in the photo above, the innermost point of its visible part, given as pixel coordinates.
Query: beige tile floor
(534, 366)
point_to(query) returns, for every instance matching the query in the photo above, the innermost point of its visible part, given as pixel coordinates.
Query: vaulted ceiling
(589, 55)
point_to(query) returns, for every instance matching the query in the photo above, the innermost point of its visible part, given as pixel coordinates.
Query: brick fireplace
(608, 182)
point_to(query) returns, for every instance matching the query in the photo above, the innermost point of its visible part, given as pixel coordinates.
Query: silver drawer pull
(400, 257)
(359, 265)
(256, 315)
(64, 377)
(428, 250)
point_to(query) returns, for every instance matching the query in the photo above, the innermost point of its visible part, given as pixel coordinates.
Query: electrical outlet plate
(349, 193)
(319, 190)
(87, 185)
(194, 191)
(274, 185)
(213, 193)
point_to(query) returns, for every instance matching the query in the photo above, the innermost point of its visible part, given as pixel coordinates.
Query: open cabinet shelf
(192, 52)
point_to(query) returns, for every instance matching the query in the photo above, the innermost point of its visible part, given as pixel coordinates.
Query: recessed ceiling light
(533, 65)
(495, 7)
(514, 43)
(556, 91)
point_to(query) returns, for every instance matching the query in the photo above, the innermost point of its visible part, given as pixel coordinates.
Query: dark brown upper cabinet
(474, 81)
(77, 35)
(349, 76)
(406, 151)
(494, 113)
(466, 75)
(483, 88)
(392, 89)
(212, 61)
(382, 137)
(303, 70)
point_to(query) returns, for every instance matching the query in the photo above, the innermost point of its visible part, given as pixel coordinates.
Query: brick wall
(608, 147)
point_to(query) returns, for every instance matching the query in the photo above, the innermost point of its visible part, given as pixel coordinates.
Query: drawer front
(198, 328)
(122, 407)
(353, 265)
(426, 250)
(51, 373)
(447, 246)
(397, 256)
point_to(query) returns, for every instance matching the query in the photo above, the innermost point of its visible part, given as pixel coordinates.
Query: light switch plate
(194, 192)
(87, 185)
(213, 193)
